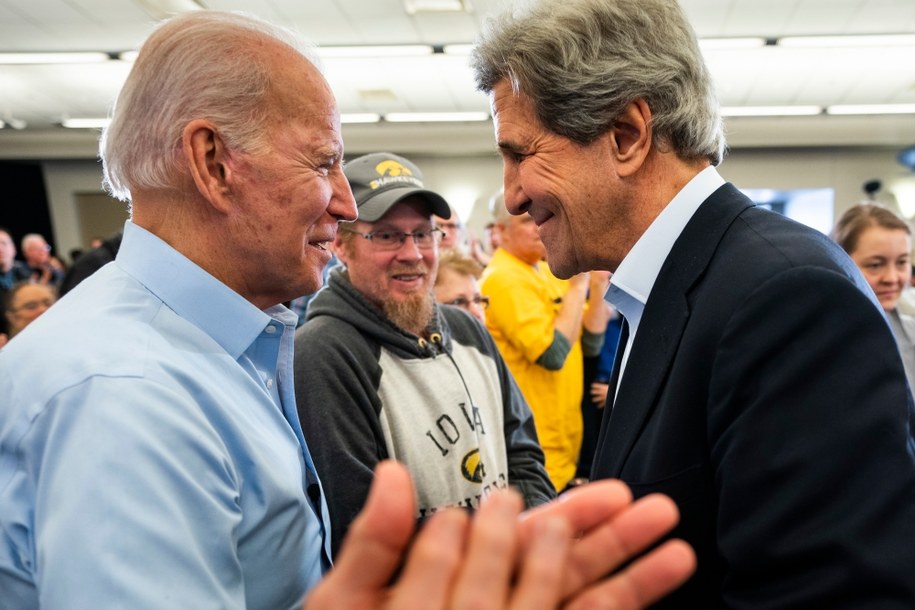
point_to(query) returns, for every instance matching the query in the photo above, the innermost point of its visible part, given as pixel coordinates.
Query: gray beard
(413, 314)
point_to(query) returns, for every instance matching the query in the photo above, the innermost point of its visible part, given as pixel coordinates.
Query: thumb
(374, 546)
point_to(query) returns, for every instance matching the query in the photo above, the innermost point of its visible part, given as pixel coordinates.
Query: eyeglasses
(477, 300)
(392, 240)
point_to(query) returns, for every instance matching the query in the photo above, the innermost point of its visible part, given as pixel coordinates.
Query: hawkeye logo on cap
(392, 172)
(392, 168)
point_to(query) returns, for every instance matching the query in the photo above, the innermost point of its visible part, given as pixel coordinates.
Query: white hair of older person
(186, 63)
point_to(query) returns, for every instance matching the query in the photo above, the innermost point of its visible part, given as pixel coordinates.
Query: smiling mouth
(320, 244)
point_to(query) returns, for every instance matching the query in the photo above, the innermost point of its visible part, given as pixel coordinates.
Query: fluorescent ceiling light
(14, 123)
(85, 123)
(715, 44)
(434, 117)
(848, 42)
(770, 110)
(360, 117)
(871, 109)
(161, 9)
(377, 51)
(53, 58)
(130, 56)
(451, 6)
(457, 49)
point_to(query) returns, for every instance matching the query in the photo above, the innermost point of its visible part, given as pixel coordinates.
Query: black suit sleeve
(810, 433)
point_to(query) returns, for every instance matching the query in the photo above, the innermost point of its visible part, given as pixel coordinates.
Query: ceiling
(40, 96)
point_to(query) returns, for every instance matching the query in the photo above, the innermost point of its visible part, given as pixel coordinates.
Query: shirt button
(271, 329)
(269, 384)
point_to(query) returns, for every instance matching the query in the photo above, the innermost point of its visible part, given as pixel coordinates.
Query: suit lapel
(661, 328)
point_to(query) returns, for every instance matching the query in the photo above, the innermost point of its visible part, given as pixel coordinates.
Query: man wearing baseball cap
(382, 371)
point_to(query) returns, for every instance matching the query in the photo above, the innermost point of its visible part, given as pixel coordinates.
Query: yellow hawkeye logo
(392, 168)
(472, 467)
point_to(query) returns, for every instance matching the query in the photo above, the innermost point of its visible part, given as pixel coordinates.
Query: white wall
(472, 180)
(844, 170)
(63, 181)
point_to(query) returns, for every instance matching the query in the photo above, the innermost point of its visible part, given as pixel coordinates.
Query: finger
(605, 548)
(540, 578)
(491, 553)
(583, 507)
(644, 582)
(435, 557)
(372, 550)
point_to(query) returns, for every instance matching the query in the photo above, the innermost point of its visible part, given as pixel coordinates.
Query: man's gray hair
(581, 62)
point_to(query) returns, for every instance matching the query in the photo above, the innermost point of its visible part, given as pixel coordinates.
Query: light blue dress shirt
(150, 451)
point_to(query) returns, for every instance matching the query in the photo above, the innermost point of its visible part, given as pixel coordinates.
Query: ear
(339, 250)
(631, 136)
(207, 160)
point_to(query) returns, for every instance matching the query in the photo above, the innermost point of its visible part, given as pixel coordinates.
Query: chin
(560, 267)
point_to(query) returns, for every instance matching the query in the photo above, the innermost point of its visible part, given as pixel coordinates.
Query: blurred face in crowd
(7, 251)
(452, 231)
(36, 251)
(27, 303)
(397, 278)
(462, 290)
(520, 238)
(884, 257)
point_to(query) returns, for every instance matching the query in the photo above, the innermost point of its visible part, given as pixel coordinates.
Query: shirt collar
(637, 273)
(195, 295)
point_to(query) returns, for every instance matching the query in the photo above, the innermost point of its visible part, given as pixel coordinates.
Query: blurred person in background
(44, 266)
(537, 320)
(12, 270)
(456, 236)
(23, 304)
(880, 242)
(457, 283)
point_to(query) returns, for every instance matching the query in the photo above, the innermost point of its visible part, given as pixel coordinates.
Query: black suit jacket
(764, 394)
